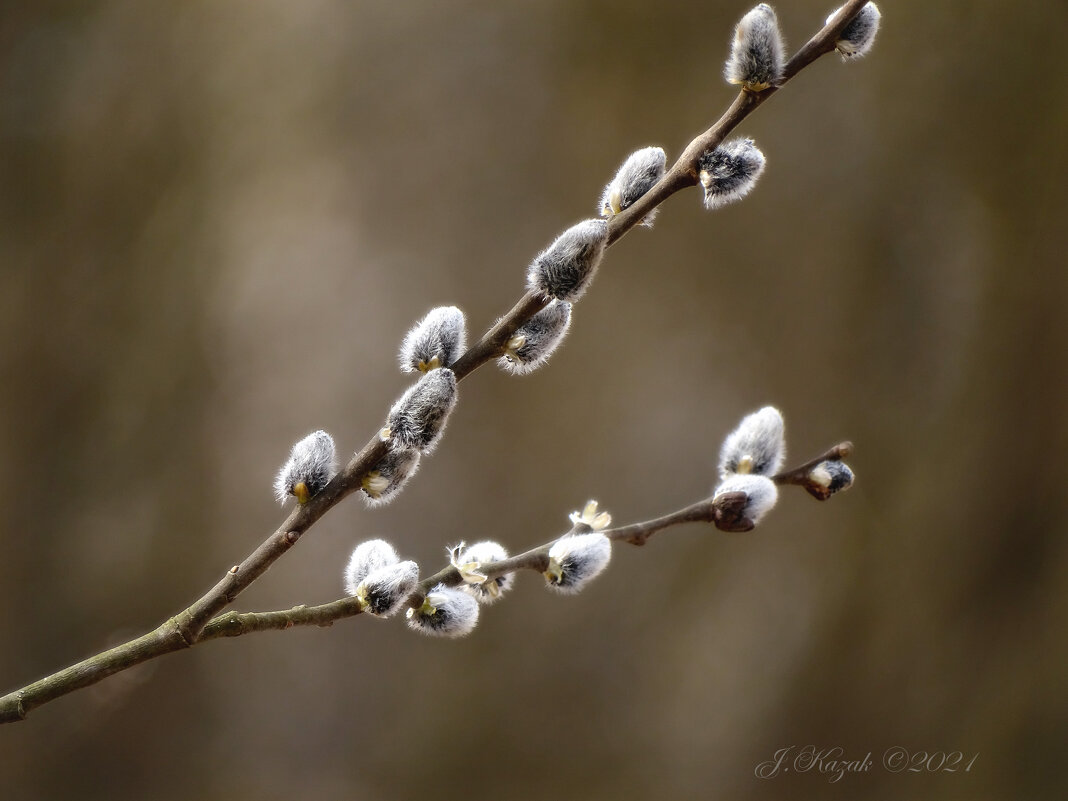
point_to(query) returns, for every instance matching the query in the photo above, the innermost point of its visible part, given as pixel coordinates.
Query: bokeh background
(217, 220)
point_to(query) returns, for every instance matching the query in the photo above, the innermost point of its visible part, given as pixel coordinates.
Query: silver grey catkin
(486, 553)
(417, 420)
(565, 269)
(756, 59)
(858, 36)
(367, 557)
(756, 446)
(760, 491)
(446, 612)
(729, 172)
(577, 559)
(534, 342)
(636, 176)
(435, 341)
(383, 591)
(310, 467)
(383, 483)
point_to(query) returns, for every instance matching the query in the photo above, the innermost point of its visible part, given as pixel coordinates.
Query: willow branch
(192, 624)
(720, 510)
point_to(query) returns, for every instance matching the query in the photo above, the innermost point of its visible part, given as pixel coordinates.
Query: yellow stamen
(425, 367)
(555, 572)
(374, 484)
(361, 596)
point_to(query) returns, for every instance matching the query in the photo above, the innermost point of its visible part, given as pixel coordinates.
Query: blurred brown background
(217, 220)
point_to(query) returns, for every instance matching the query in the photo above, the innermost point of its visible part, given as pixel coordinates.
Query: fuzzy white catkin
(436, 341)
(565, 269)
(418, 419)
(858, 37)
(729, 172)
(756, 446)
(366, 558)
(383, 591)
(761, 494)
(446, 612)
(311, 463)
(383, 483)
(757, 52)
(536, 340)
(636, 176)
(485, 553)
(577, 559)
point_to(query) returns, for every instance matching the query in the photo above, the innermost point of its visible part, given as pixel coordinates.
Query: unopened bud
(576, 559)
(760, 496)
(756, 446)
(567, 266)
(827, 478)
(858, 36)
(642, 169)
(418, 419)
(436, 341)
(445, 612)
(729, 172)
(309, 468)
(535, 340)
(756, 59)
(382, 484)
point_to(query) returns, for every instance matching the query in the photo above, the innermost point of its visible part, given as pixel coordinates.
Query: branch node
(233, 570)
(729, 512)
(181, 634)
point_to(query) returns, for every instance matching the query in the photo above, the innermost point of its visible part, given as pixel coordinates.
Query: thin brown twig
(190, 625)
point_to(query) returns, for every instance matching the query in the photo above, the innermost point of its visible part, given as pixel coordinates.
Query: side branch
(234, 624)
